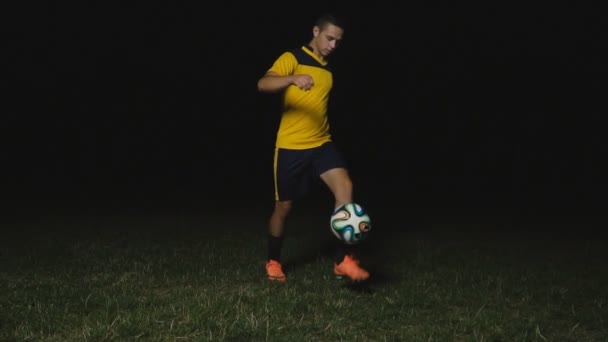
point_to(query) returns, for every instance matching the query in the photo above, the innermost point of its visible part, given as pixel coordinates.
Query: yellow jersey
(304, 123)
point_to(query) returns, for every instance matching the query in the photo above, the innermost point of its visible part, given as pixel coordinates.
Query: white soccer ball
(350, 223)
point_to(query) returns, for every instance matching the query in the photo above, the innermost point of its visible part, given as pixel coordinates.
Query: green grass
(153, 277)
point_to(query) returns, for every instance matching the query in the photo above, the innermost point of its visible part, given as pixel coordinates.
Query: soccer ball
(350, 223)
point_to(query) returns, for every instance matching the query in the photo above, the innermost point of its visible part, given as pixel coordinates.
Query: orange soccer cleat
(275, 271)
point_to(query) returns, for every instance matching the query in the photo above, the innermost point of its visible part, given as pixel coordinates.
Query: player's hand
(303, 82)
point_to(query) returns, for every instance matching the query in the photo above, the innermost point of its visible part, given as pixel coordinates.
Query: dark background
(441, 110)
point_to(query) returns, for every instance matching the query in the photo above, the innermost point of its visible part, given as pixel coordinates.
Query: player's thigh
(327, 157)
(338, 180)
(291, 173)
(332, 169)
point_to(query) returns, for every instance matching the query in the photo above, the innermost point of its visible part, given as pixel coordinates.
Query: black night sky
(482, 111)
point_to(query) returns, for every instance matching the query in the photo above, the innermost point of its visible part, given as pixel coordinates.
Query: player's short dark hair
(329, 19)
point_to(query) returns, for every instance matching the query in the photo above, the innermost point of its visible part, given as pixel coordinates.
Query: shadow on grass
(376, 281)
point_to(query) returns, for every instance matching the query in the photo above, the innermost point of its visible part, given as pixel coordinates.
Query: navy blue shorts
(296, 171)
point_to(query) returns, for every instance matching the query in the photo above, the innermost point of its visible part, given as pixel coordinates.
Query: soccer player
(303, 147)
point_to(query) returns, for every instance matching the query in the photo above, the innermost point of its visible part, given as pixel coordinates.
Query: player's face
(327, 40)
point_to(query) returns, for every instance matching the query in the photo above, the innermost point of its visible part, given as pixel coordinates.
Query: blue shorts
(296, 171)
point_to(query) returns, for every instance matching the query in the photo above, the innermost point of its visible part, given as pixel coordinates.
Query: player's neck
(315, 51)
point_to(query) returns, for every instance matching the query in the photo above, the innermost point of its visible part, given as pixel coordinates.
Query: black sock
(341, 251)
(274, 247)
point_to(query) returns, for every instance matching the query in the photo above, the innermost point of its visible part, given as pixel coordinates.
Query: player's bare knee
(345, 188)
(348, 185)
(282, 208)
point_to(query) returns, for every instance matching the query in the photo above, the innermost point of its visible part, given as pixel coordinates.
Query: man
(303, 147)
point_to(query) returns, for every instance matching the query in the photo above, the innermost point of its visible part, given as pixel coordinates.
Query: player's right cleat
(350, 268)
(275, 271)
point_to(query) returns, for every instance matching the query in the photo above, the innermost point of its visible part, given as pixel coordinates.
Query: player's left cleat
(274, 271)
(351, 269)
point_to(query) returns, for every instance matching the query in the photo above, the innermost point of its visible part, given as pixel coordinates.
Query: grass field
(153, 275)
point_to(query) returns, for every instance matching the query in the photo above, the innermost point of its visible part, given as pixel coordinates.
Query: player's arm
(273, 82)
